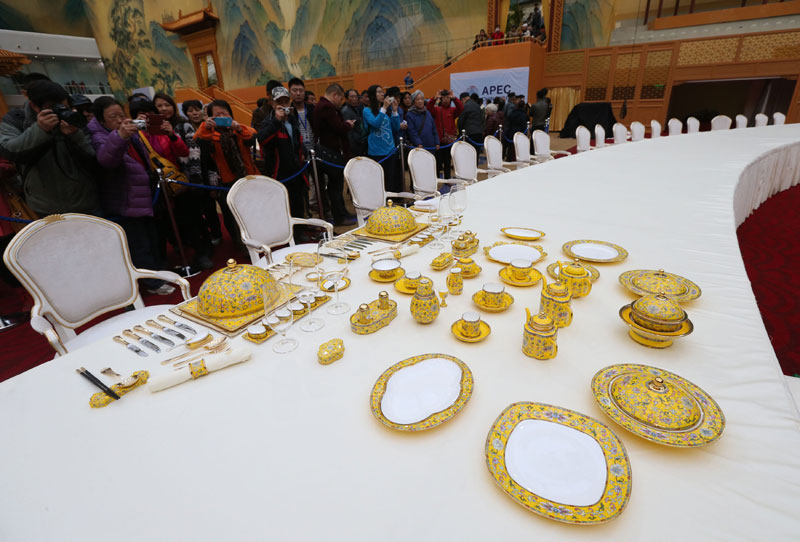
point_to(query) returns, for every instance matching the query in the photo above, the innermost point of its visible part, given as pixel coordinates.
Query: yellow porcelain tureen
(390, 220)
(236, 290)
(655, 402)
(658, 313)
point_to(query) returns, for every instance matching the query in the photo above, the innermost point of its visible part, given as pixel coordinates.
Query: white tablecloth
(282, 448)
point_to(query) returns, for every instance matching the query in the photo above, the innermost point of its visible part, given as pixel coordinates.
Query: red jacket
(445, 117)
(226, 175)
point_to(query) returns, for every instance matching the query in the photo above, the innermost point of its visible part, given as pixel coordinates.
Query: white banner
(490, 83)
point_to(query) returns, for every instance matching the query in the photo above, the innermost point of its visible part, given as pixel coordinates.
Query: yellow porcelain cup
(471, 324)
(412, 279)
(520, 269)
(386, 268)
(493, 295)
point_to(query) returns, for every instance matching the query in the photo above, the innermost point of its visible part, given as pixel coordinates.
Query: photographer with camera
(53, 154)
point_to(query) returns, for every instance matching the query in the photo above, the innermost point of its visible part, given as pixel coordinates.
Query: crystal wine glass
(280, 321)
(436, 229)
(446, 216)
(458, 203)
(334, 275)
(310, 323)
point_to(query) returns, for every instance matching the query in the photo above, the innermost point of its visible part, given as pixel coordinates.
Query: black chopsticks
(94, 380)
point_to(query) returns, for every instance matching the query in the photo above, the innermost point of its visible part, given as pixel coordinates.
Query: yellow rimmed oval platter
(522, 234)
(594, 251)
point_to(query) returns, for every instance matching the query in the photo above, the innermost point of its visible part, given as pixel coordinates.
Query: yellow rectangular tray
(270, 333)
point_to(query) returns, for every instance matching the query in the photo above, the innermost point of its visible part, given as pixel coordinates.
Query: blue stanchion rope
(12, 219)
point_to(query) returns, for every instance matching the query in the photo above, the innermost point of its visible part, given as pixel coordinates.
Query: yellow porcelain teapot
(539, 336)
(576, 277)
(555, 302)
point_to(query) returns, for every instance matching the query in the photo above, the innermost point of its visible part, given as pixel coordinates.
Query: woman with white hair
(421, 126)
(493, 120)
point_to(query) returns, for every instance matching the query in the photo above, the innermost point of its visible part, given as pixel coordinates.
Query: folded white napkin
(213, 362)
(428, 204)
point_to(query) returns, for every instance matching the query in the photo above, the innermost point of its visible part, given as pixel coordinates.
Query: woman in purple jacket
(421, 126)
(126, 192)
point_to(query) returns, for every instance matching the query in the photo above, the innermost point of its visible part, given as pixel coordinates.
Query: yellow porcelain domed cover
(655, 402)
(657, 312)
(390, 220)
(236, 290)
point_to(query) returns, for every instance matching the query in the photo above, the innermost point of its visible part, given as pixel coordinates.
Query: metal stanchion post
(463, 135)
(320, 207)
(183, 269)
(402, 167)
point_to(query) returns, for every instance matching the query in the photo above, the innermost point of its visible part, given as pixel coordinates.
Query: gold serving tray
(394, 238)
(618, 468)
(433, 420)
(706, 429)
(230, 327)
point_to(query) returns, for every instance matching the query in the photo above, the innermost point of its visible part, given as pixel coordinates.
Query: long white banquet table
(283, 448)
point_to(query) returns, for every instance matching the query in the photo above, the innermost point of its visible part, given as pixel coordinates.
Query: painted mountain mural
(259, 40)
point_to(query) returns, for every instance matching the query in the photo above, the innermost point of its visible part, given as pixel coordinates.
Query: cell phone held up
(154, 122)
(223, 122)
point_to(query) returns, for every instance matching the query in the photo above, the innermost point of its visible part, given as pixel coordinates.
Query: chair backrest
(721, 122)
(422, 165)
(655, 129)
(464, 160)
(778, 118)
(620, 133)
(260, 206)
(761, 120)
(637, 131)
(76, 267)
(692, 125)
(599, 136)
(494, 152)
(741, 121)
(522, 147)
(674, 127)
(584, 137)
(364, 178)
(541, 144)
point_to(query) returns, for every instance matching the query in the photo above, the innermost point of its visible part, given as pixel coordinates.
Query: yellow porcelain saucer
(303, 259)
(331, 288)
(485, 330)
(401, 286)
(396, 274)
(476, 271)
(534, 276)
(477, 298)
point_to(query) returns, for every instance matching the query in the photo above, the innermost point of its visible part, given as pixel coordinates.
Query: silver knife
(154, 335)
(179, 325)
(131, 335)
(130, 346)
(167, 330)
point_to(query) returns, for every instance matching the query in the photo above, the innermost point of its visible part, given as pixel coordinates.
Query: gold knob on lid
(657, 385)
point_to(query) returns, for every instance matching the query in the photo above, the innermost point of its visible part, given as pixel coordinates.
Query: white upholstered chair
(78, 267)
(599, 136)
(522, 149)
(674, 127)
(778, 119)
(584, 137)
(465, 164)
(761, 120)
(422, 165)
(655, 129)
(721, 122)
(741, 121)
(637, 131)
(692, 125)
(260, 206)
(364, 178)
(541, 147)
(620, 133)
(494, 156)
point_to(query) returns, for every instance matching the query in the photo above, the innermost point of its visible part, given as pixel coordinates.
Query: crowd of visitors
(63, 153)
(532, 28)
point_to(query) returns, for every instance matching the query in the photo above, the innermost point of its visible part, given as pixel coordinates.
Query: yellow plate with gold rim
(401, 286)
(477, 298)
(594, 251)
(396, 274)
(505, 251)
(647, 282)
(328, 285)
(658, 405)
(594, 274)
(534, 276)
(522, 234)
(559, 463)
(303, 259)
(421, 392)
(484, 332)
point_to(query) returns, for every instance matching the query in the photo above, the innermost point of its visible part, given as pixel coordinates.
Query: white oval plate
(506, 252)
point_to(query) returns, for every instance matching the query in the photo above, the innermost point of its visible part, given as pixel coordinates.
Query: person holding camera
(445, 109)
(53, 154)
(282, 148)
(383, 124)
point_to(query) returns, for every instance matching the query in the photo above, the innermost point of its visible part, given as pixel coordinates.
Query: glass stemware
(458, 203)
(280, 321)
(446, 216)
(310, 323)
(335, 275)
(436, 229)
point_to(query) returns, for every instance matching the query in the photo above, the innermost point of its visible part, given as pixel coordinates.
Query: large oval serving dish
(594, 251)
(505, 251)
(559, 463)
(421, 392)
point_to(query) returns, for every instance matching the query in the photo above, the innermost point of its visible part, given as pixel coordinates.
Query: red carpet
(768, 241)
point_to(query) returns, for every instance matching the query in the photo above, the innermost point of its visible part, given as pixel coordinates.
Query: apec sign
(489, 84)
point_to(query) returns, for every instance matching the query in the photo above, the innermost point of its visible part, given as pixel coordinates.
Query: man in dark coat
(471, 121)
